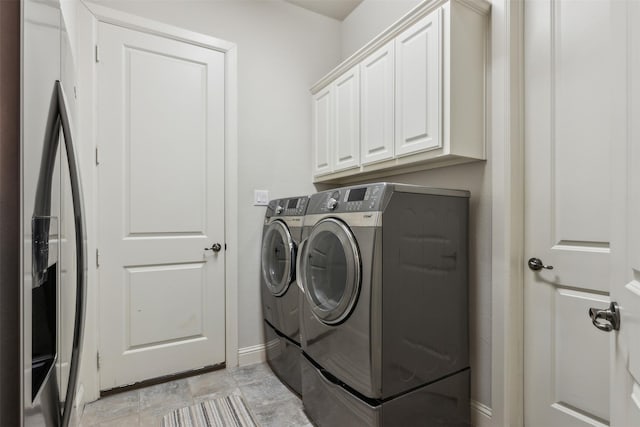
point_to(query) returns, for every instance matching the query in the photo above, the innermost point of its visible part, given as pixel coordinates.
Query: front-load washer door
(278, 258)
(331, 271)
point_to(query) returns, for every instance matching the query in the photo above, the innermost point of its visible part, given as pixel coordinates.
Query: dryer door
(278, 258)
(331, 270)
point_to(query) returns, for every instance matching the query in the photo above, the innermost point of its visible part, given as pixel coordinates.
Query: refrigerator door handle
(81, 250)
(59, 118)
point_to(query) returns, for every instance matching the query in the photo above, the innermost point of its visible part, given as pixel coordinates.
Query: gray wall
(363, 24)
(282, 50)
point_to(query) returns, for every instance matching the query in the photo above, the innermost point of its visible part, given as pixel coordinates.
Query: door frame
(89, 16)
(506, 95)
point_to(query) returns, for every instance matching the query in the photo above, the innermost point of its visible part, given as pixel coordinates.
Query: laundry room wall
(369, 19)
(365, 22)
(282, 50)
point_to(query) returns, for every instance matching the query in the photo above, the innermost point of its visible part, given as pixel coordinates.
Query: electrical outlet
(260, 197)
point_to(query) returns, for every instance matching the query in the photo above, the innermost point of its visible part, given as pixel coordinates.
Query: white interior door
(625, 283)
(570, 72)
(161, 176)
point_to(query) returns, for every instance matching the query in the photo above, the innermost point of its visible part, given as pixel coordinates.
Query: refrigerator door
(53, 225)
(75, 308)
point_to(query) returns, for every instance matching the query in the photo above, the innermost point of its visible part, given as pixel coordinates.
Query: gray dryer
(384, 316)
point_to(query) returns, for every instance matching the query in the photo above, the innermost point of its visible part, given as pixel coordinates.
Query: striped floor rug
(228, 411)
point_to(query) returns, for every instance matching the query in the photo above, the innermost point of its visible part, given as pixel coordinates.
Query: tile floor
(272, 404)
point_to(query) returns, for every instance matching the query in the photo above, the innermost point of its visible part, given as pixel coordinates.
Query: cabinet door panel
(322, 129)
(347, 120)
(377, 97)
(418, 92)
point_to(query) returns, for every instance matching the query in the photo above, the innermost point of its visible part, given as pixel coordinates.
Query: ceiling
(337, 9)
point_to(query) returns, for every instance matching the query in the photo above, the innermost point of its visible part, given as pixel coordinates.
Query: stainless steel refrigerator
(43, 305)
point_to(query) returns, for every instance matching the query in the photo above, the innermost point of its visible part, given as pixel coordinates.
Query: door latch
(609, 315)
(215, 247)
(536, 264)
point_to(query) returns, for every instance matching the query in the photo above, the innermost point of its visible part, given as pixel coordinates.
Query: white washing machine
(384, 323)
(280, 301)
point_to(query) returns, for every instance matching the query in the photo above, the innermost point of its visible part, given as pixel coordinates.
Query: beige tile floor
(272, 403)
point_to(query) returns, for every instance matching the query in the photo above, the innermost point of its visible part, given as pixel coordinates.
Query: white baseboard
(480, 414)
(251, 355)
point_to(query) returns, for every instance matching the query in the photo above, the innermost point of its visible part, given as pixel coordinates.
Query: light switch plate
(260, 197)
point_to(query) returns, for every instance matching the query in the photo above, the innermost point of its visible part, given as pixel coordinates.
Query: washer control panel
(294, 206)
(349, 199)
(362, 199)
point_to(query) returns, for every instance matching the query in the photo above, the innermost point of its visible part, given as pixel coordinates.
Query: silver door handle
(59, 118)
(536, 264)
(610, 315)
(215, 247)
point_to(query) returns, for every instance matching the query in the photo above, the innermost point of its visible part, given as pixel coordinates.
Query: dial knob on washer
(279, 209)
(332, 204)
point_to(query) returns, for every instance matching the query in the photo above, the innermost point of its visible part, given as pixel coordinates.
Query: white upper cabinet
(376, 105)
(413, 98)
(336, 124)
(418, 88)
(322, 129)
(346, 95)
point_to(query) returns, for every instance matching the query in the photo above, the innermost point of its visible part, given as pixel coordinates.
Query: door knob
(215, 247)
(610, 315)
(536, 264)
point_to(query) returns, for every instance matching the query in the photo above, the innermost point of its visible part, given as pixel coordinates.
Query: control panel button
(332, 204)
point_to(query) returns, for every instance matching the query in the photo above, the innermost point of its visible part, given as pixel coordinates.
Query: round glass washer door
(278, 258)
(330, 270)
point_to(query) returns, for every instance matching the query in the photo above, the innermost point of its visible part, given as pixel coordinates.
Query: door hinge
(97, 56)
(97, 158)
(225, 246)
(98, 360)
(97, 258)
